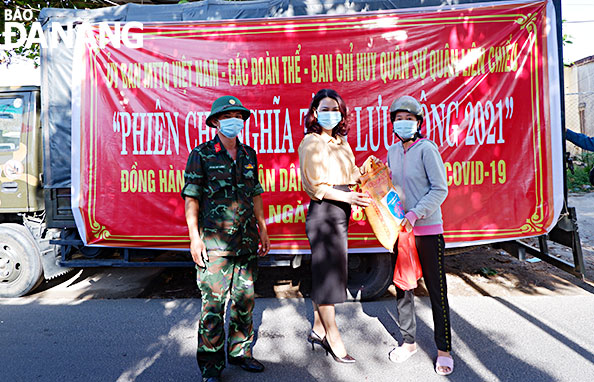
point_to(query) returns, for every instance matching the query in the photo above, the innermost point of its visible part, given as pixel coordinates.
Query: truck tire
(370, 275)
(20, 262)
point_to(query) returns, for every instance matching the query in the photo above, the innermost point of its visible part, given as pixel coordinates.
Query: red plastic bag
(408, 268)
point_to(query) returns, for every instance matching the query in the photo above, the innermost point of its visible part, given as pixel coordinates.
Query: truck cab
(20, 152)
(21, 192)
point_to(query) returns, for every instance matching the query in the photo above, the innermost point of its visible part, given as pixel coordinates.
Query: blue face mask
(230, 127)
(405, 129)
(329, 119)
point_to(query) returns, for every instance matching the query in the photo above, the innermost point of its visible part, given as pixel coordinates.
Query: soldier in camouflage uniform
(225, 217)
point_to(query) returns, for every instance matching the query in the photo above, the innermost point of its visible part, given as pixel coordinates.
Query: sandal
(443, 361)
(400, 354)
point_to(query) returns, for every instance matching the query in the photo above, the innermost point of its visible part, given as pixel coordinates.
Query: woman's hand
(359, 199)
(367, 163)
(405, 225)
(373, 159)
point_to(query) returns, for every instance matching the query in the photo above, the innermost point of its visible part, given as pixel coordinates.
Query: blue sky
(579, 25)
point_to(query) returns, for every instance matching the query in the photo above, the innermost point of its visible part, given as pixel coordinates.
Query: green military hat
(224, 104)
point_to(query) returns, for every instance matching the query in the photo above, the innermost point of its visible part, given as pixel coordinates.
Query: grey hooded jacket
(420, 180)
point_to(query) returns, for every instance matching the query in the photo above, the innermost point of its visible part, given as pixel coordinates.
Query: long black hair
(311, 122)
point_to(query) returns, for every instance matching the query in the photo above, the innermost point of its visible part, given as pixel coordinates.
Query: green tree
(567, 38)
(35, 6)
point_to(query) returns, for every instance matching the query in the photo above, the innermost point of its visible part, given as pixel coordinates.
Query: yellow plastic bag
(385, 213)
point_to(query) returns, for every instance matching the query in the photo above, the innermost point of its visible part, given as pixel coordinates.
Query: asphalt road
(494, 339)
(83, 327)
(584, 205)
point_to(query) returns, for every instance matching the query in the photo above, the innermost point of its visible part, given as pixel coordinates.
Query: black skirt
(326, 227)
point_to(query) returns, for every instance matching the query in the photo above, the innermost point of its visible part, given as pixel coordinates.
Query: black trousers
(431, 251)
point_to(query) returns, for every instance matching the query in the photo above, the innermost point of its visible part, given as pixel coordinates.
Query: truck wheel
(370, 274)
(20, 262)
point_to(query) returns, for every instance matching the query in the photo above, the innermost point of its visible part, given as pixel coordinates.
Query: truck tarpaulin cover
(486, 75)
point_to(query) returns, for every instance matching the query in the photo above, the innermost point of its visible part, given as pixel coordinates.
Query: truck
(46, 228)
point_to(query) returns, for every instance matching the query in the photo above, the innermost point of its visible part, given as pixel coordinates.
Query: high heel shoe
(313, 338)
(346, 359)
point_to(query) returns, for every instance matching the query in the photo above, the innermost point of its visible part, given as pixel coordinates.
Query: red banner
(484, 74)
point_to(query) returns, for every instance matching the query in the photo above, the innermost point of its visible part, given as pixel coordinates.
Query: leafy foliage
(578, 180)
(566, 37)
(35, 6)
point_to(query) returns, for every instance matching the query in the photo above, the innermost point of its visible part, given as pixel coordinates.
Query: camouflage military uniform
(225, 191)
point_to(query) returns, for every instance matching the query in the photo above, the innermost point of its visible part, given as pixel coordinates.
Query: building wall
(571, 104)
(585, 77)
(579, 99)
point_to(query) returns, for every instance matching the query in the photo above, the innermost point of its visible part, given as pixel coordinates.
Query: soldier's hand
(264, 243)
(198, 251)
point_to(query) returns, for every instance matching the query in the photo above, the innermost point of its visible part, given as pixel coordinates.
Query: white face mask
(230, 127)
(405, 129)
(329, 119)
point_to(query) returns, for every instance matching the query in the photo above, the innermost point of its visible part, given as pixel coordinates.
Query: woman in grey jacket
(419, 176)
